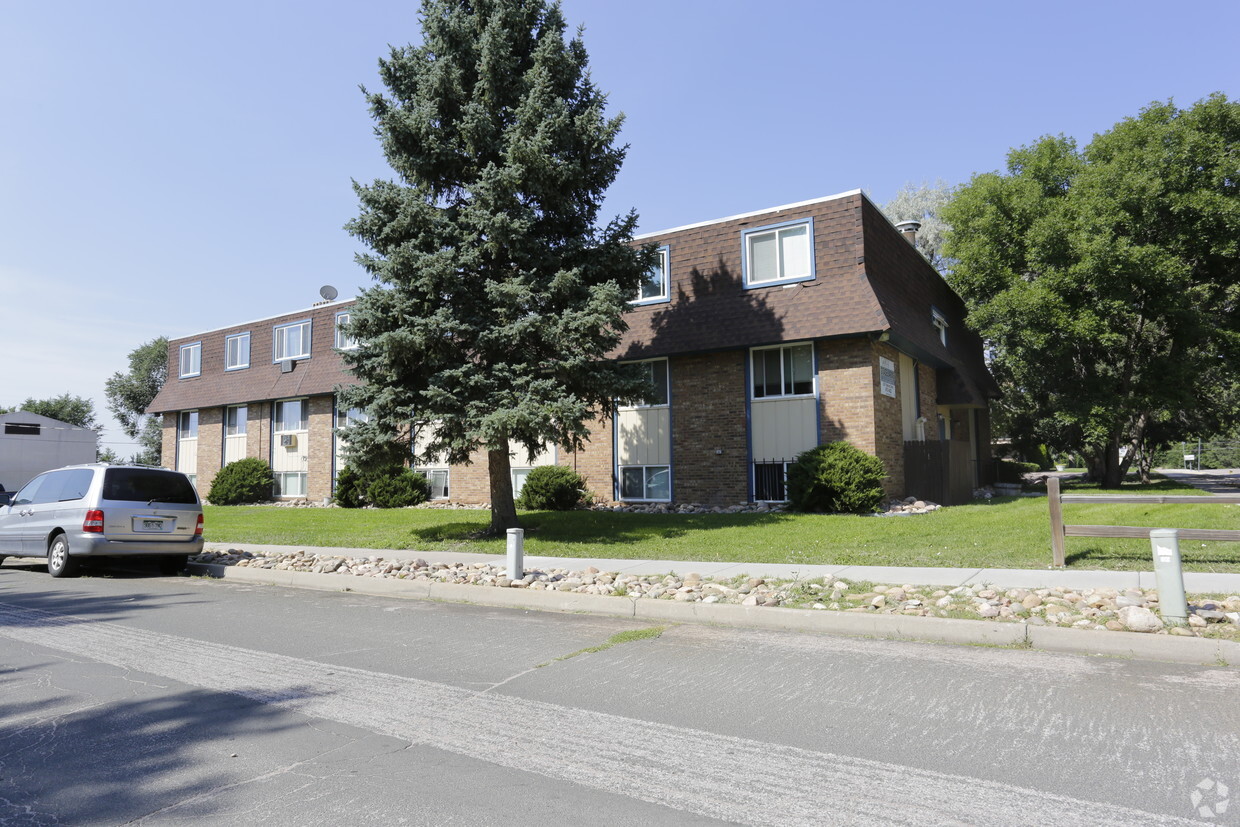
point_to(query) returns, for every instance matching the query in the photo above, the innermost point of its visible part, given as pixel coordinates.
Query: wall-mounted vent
(288, 440)
(22, 429)
(287, 365)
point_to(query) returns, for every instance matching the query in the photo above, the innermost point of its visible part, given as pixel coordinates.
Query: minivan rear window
(147, 484)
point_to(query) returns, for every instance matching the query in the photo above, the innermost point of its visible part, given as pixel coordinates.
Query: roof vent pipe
(909, 230)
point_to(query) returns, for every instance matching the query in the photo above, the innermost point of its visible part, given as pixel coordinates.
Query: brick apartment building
(765, 334)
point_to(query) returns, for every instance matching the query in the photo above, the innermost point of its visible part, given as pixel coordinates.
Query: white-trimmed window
(779, 253)
(235, 420)
(438, 478)
(343, 340)
(191, 360)
(292, 341)
(656, 372)
(646, 482)
(939, 321)
(655, 285)
(237, 351)
(187, 425)
(347, 416)
(787, 370)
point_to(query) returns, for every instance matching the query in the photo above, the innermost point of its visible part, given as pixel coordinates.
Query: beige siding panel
(521, 458)
(234, 448)
(294, 459)
(187, 456)
(783, 428)
(908, 398)
(643, 436)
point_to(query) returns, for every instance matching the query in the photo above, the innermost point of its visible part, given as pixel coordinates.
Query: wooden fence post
(1057, 532)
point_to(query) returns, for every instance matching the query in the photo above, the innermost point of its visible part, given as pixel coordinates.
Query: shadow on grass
(1131, 485)
(1139, 556)
(592, 527)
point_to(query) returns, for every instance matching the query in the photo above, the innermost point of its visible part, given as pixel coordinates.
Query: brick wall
(320, 451)
(847, 381)
(258, 431)
(709, 430)
(595, 461)
(168, 448)
(889, 424)
(210, 446)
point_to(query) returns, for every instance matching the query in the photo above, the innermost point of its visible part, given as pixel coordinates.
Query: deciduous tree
(1106, 281)
(130, 393)
(498, 295)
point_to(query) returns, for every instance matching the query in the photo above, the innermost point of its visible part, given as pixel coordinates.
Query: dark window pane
(145, 484)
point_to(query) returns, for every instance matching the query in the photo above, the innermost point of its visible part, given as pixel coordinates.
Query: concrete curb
(1197, 651)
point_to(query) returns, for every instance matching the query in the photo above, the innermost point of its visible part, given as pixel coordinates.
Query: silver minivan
(102, 510)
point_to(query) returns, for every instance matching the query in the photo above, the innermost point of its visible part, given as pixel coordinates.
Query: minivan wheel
(59, 563)
(173, 563)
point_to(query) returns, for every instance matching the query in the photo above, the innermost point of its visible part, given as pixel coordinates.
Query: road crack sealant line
(1167, 648)
(739, 780)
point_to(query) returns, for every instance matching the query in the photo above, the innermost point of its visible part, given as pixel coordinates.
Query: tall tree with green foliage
(498, 294)
(1106, 281)
(130, 393)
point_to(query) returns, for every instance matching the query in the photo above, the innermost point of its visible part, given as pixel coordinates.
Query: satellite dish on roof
(328, 292)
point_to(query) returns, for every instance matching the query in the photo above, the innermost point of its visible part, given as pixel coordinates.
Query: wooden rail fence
(1059, 531)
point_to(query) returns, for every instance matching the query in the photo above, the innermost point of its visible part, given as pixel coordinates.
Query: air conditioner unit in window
(288, 440)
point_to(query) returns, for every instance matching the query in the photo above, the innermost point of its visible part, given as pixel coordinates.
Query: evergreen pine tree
(498, 296)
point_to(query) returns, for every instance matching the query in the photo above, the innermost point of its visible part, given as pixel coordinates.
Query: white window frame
(644, 498)
(243, 343)
(664, 268)
(667, 386)
(447, 479)
(939, 322)
(193, 352)
(778, 231)
(813, 372)
(343, 340)
(279, 342)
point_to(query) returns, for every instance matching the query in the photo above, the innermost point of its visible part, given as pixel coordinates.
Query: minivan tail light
(197, 529)
(93, 524)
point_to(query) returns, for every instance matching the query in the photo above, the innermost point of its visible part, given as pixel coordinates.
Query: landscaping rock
(1139, 619)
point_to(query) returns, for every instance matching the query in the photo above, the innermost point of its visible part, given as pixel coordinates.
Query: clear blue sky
(167, 168)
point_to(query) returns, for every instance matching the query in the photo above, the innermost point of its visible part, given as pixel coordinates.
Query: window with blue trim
(191, 360)
(237, 351)
(292, 341)
(779, 253)
(783, 371)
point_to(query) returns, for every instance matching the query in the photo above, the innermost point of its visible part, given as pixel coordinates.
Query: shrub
(397, 489)
(835, 478)
(552, 488)
(350, 488)
(1012, 471)
(245, 481)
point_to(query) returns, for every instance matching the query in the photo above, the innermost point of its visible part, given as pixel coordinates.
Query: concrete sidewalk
(1194, 582)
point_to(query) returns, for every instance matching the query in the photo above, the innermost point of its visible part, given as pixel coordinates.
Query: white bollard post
(1169, 576)
(516, 553)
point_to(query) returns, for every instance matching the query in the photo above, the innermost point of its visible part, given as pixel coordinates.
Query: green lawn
(1008, 532)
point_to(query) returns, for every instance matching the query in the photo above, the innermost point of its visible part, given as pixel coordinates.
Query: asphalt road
(133, 698)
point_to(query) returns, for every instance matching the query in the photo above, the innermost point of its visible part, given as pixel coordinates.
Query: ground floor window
(770, 480)
(645, 482)
(291, 484)
(438, 478)
(519, 476)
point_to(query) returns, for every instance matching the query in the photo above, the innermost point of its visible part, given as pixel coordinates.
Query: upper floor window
(343, 340)
(779, 253)
(292, 341)
(939, 321)
(347, 416)
(237, 351)
(191, 360)
(783, 371)
(655, 285)
(656, 372)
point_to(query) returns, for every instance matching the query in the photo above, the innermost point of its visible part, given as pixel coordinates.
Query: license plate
(144, 524)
